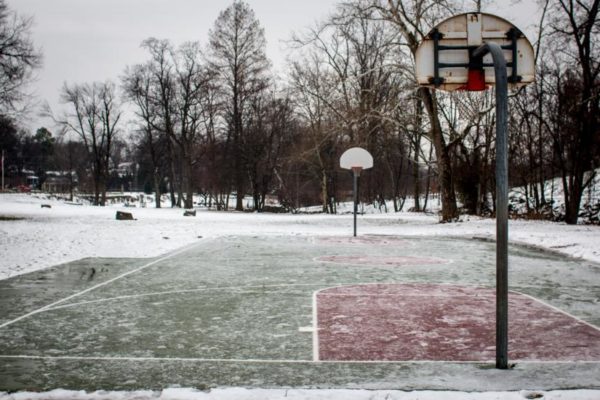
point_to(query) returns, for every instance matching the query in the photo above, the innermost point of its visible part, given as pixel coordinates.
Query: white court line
(315, 338)
(192, 359)
(46, 307)
(402, 295)
(444, 261)
(558, 310)
(245, 289)
(275, 361)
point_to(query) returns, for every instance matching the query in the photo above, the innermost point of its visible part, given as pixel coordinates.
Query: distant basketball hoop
(356, 159)
(458, 54)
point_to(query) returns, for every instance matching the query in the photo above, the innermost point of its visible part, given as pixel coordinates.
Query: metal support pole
(355, 198)
(501, 199)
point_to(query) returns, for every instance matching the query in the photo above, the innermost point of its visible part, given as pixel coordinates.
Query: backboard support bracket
(475, 63)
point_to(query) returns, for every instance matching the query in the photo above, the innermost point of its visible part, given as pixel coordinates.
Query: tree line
(212, 119)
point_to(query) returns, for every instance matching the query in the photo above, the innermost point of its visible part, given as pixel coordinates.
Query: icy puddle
(241, 311)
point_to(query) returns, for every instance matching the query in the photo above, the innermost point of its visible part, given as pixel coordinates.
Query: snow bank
(297, 394)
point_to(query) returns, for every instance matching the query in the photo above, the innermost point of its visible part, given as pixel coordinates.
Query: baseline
(280, 361)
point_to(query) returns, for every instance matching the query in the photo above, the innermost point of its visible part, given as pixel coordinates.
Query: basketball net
(472, 98)
(469, 104)
(356, 170)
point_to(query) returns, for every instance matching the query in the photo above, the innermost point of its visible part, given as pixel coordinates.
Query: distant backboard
(443, 59)
(356, 157)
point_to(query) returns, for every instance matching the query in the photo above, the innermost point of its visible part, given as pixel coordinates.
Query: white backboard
(356, 157)
(472, 30)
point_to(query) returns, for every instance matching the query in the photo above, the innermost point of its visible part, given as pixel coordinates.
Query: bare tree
(162, 70)
(138, 88)
(354, 70)
(576, 32)
(192, 86)
(313, 87)
(237, 55)
(94, 116)
(413, 19)
(270, 132)
(18, 58)
(374, 84)
(172, 93)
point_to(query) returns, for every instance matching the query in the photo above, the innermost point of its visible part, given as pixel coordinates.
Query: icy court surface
(257, 312)
(416, 322)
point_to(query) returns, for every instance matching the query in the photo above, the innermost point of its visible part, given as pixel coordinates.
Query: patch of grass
(9, 218)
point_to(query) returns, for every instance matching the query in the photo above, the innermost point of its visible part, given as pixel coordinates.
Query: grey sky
(94, 40)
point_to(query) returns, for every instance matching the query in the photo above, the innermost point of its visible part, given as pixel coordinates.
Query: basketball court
(327, 312)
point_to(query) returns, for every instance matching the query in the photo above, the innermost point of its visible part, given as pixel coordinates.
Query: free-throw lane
(429, 322)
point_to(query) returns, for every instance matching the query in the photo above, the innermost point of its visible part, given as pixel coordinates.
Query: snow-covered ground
(554, 195)
(33, 237)
(49, 236)
(298, 394)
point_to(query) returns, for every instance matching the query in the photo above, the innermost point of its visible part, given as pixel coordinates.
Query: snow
(49, 236)
(34, 238)
(555, 196)
(300, 394)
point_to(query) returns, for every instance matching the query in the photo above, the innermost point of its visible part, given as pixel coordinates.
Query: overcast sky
(94, 40)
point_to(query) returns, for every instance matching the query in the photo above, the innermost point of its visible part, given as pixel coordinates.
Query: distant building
(32, 181)
(57, 184)
(59, 181)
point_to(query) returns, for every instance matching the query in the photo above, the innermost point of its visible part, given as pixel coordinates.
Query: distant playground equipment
(455, 55)
(356, 159)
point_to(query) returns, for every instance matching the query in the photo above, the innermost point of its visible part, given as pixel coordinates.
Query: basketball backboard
(443, 59)
(356, 157)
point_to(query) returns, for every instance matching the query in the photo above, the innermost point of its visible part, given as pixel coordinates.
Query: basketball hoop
(445, 58)
(356, 159)
(454, 56)
(475, 81)
(470, 104)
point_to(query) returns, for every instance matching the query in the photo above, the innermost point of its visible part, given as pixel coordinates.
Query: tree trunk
(448, 197)
(96, 190)
(188, 181)
(417, 144)
(171, 172)
(157, 193)
(324, 190)
(428, 183)
(415, 173)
